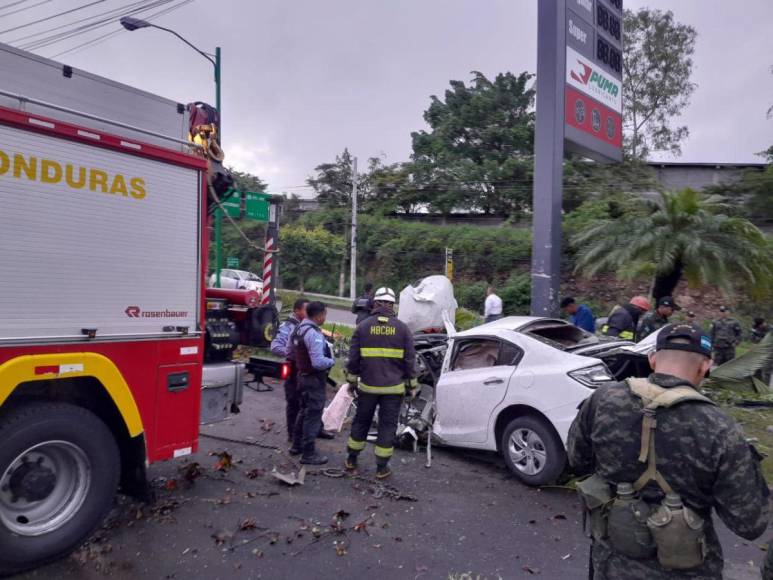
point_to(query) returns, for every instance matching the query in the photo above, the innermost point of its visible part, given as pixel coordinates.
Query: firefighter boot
(351, 462)
(382, 468)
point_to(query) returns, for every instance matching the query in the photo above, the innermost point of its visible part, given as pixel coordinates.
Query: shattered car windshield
(559, 334)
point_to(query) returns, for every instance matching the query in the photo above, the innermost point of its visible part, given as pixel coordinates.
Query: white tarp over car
(428, 304)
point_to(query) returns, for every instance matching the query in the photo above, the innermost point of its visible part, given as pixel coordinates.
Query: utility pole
(218, 210)
(450, 264)
(353, 259)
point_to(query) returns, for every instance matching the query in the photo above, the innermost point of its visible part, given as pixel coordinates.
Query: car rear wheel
(533, 451)
(59, 471)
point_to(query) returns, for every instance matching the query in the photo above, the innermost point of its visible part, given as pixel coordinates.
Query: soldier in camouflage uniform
(725, 335)
(701, 453)
(658, 318)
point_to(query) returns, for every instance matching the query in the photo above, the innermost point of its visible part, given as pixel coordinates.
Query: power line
(51, 17)
(11, 4)
(104, 37)
(22, 9)
(92, 22)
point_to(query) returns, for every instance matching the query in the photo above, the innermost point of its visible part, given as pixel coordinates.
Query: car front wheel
(533, 451)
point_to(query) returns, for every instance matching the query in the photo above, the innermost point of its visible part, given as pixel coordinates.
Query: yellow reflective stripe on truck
(382, 352)
(40, 367)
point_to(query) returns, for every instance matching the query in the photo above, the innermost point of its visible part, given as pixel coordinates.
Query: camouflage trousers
(724, 354)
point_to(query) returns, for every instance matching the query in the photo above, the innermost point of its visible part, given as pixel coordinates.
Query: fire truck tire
(59, 472)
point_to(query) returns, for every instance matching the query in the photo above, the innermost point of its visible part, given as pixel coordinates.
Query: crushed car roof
(514, 323)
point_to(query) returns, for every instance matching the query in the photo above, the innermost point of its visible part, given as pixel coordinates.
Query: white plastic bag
(334, 414)
(427, 305)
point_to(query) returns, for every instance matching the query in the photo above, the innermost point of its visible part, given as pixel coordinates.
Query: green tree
(306, 253)
(333, 182)
(478, 153)
(685, 234)
(247, 181)
(657, 65)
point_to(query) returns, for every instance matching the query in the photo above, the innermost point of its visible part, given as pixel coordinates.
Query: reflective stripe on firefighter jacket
(382, 354)
(622, 322)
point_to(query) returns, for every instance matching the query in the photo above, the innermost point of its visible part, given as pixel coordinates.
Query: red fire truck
(108, 343)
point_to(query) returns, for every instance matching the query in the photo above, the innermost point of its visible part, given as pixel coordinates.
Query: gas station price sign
(593, 123)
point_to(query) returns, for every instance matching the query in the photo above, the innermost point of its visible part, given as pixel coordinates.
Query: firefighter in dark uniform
(725, 336)
(382, 363)
(623, 319)
(313, 359)
(662, 458)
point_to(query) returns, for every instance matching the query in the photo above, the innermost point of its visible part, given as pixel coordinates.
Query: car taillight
(285, 374)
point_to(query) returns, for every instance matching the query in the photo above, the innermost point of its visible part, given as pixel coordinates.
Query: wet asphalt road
(470, 516)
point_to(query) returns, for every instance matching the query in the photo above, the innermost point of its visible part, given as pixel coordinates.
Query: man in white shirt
(493, 306)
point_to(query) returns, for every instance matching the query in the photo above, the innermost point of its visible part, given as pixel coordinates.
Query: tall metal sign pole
(549, 158)
(579, 108)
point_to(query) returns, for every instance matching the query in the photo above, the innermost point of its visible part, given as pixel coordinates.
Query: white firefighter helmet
(384, 295)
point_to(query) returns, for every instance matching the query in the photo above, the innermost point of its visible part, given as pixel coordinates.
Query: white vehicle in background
(514, 386)
(238, 280)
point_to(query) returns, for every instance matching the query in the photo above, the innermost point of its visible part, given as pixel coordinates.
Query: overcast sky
(302, 79)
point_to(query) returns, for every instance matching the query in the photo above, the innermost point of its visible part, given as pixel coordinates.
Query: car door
(228, 279)
(473, 383)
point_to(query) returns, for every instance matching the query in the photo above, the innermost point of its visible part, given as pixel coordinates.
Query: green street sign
(256, 205)
(232, 262)
(232, 204)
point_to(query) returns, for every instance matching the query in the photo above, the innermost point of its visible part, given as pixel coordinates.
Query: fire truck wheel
(59, 471)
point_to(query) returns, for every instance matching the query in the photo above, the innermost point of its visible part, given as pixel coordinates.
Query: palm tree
(685, 234)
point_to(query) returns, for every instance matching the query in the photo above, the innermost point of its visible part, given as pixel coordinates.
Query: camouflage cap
(687, 337)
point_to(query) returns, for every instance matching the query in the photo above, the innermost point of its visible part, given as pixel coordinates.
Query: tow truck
(112, 352)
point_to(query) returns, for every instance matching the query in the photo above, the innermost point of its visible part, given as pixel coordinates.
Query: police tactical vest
(300, 351)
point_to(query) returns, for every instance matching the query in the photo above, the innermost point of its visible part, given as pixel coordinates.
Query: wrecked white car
(513, 386)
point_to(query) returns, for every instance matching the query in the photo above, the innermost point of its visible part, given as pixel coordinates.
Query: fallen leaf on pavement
(248, 524)
(191, 472)
(224, 460)
(530, 570)
(255, 473)
(222, 537)
(170, 485)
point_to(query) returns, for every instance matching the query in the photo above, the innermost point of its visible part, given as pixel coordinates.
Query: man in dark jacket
(281, 346)
(693, 447)
(382, 363)
(363, 306)
(623, 319)
(579, 314)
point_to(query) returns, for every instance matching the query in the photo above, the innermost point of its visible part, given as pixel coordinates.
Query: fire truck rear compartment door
(178, 395)
(92, 238)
